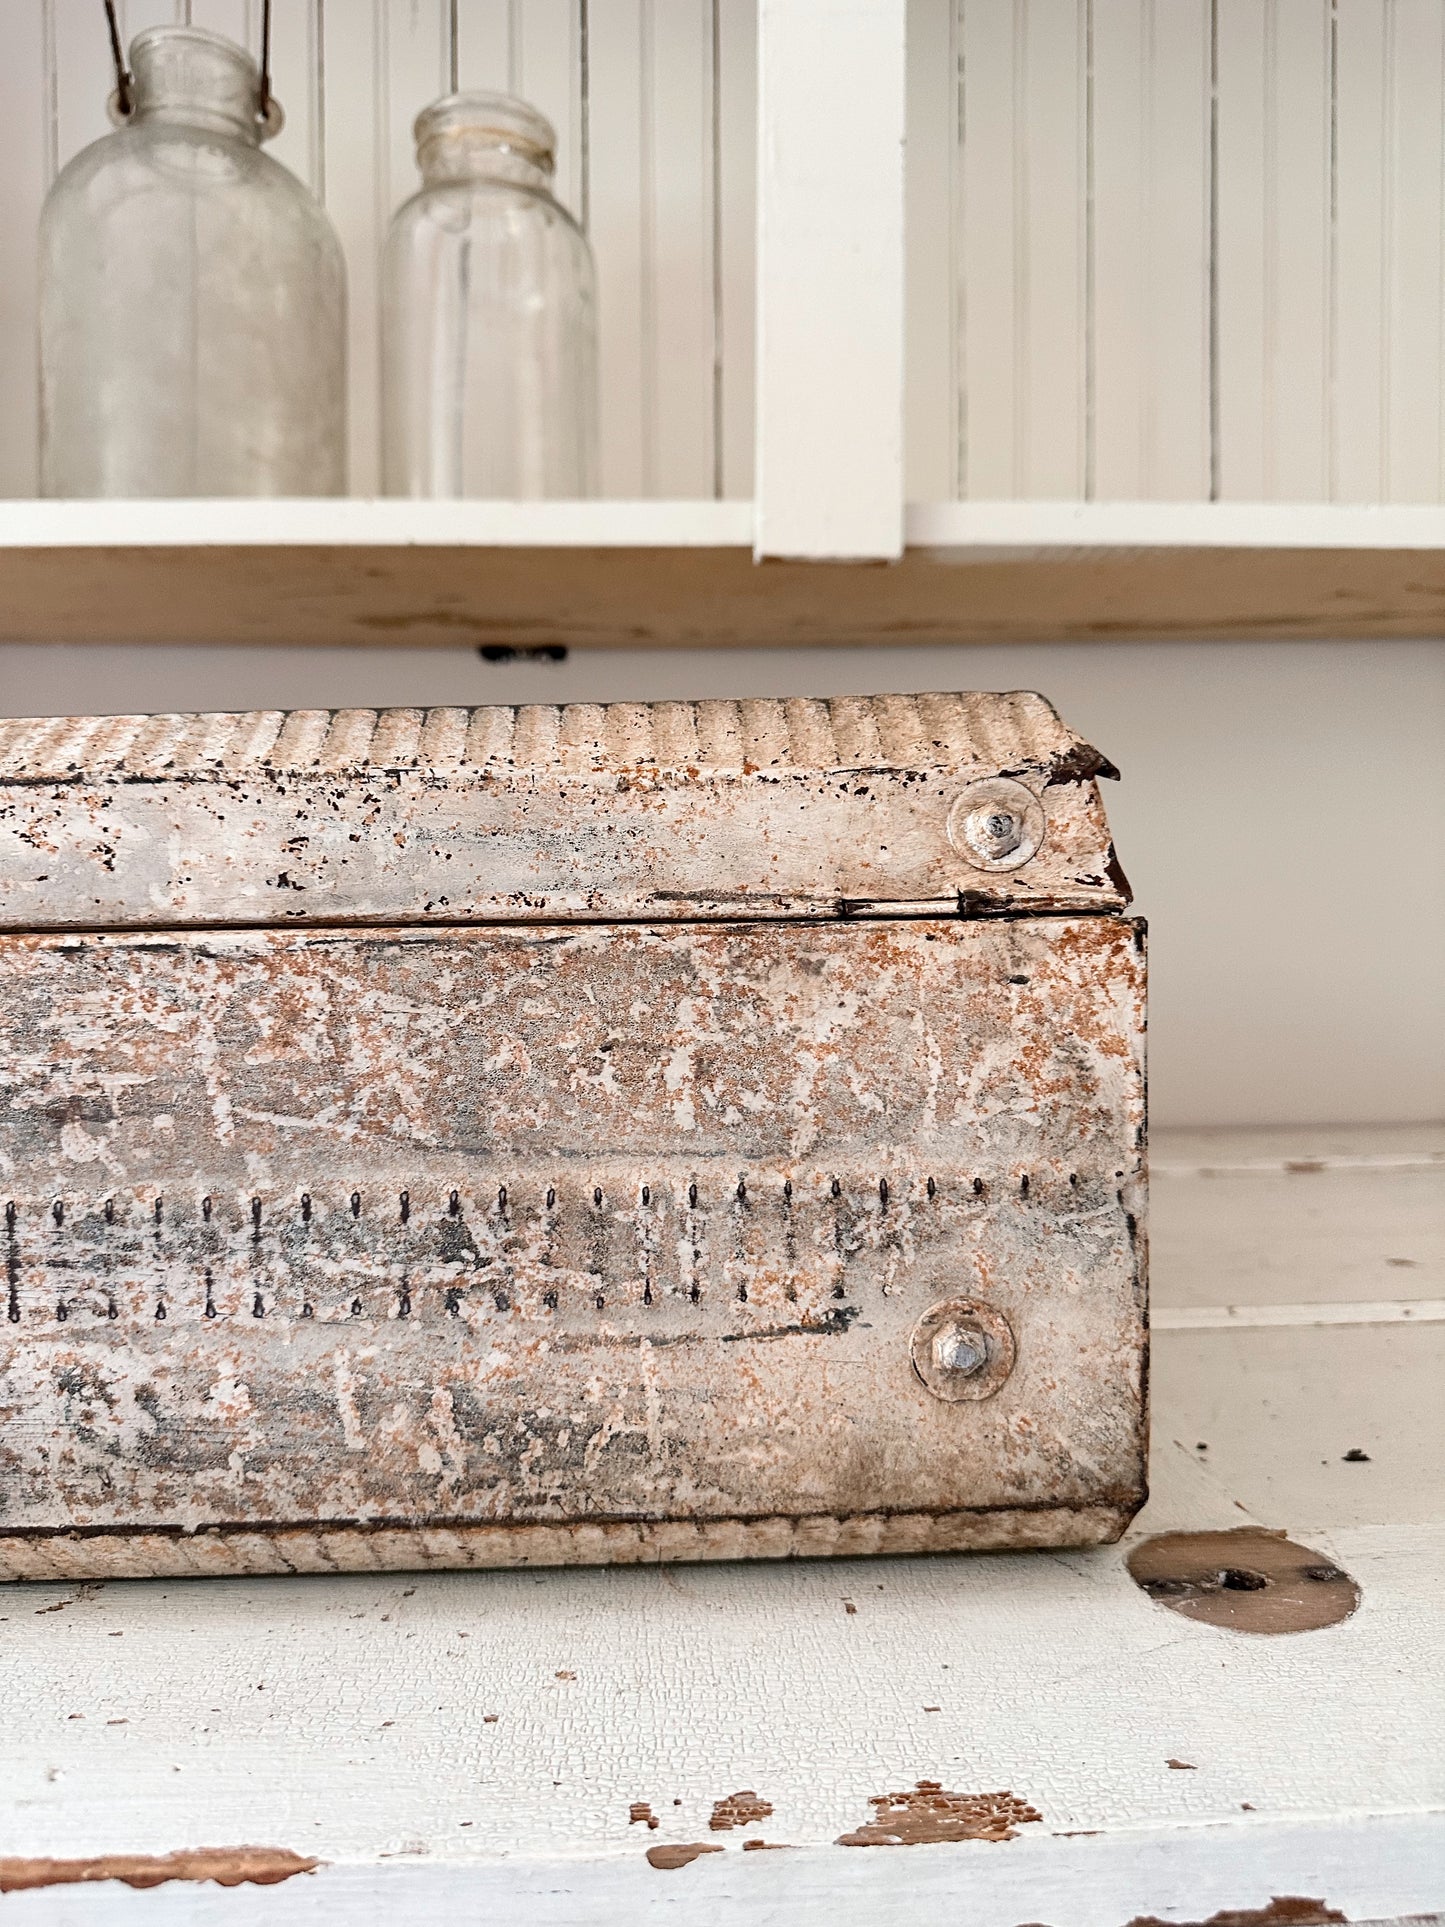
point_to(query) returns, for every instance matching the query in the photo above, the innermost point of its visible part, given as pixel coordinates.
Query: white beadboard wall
(1177, 249)
(653, 103)
(1157, 249)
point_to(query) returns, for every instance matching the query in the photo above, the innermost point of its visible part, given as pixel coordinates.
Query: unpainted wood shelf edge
(669, 574)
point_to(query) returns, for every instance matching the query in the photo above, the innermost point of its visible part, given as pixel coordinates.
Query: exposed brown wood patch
(226, 1866)
(1250, 1580)
(932, 1813)
(1285, 1910)
(738, 1810)
(640, 1814)
(679, 1856)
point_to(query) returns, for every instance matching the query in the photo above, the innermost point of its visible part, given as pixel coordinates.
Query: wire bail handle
(122, 102)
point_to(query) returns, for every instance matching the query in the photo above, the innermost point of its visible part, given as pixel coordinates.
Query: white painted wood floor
(347, 1718)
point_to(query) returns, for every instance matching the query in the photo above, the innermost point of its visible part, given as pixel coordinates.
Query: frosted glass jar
(192, 298)
(489, 384)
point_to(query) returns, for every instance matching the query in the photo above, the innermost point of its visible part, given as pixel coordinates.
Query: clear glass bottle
(489, 359)
(192, 297)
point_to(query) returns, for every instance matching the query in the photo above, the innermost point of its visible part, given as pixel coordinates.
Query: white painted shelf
(348, 1719)
(643, 572)
(1160, 302)
(958, 531)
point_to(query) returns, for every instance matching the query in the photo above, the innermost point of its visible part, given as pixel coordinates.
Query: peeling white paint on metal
(713, 809)
(474, 1237)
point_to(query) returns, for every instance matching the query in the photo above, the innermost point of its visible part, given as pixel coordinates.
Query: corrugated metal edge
(143, 1555)
(991, 730)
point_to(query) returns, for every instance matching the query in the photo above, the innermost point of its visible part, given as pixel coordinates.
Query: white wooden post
(829, 464)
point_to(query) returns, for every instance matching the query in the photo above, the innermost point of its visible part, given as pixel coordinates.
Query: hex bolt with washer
(962, 1349)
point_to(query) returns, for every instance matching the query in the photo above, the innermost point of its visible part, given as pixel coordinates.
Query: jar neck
(460, 159)
(484, 137)
(189, 78)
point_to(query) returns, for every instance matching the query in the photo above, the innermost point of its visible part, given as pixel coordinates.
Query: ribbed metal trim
(142, 1554)
(844, 732)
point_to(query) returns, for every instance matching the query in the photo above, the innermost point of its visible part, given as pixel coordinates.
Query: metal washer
(973, 1314)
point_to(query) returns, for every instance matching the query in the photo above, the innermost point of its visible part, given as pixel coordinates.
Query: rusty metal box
(482, 1137)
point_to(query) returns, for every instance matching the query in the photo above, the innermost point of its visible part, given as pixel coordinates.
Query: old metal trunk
(539, 1136)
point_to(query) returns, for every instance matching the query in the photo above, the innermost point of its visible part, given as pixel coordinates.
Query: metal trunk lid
(709, 809)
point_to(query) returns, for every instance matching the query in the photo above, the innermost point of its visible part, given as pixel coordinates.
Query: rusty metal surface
(687, 810)
(453, 1245)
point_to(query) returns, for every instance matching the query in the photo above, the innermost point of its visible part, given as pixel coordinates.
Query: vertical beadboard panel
(297, 78)
(484, 45)
(991, 198)
(1298, 199)
(1386, 275)
(1386, 272)
(619, 190)
(1022, 243)
(735, 176)
(546, 70)
(84, 75)
(931, 414)
(1415, 344)
(1151, 175)
(677, 217)
(653, 224)
(1054, 338)
(25, 138)
(1274, 249)
(1360, 361)
(356, 157)
(1246, 224)
(416, 71)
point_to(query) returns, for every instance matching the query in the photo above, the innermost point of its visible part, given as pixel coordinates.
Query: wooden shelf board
(678, 573)
(347, 1718)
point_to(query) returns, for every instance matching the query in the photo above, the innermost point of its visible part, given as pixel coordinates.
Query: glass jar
(192, 297)
(488, 328)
